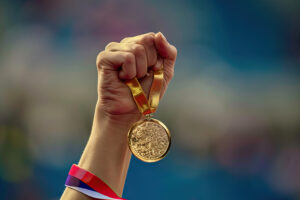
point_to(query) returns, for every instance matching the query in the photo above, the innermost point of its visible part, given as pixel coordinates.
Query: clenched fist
(133, 57)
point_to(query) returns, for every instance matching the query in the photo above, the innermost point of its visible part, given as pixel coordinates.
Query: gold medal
(149, 139)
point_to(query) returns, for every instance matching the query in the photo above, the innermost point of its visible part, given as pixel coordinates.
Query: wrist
(118, 120)
(107, 154)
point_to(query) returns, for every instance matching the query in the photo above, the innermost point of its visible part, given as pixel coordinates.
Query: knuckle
(110, 45)
(129, 58)
(125, 39)
(151, 34)
(99, 59)
(138, 49)
(148, 39)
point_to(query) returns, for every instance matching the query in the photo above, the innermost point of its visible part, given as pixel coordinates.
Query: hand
(132, 57)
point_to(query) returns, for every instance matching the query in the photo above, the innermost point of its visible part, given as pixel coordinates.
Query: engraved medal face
(149, 140)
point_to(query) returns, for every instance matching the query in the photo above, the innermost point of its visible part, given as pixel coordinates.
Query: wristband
(89, 184)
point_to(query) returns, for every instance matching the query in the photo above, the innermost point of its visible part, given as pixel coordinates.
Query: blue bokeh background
(232, 108)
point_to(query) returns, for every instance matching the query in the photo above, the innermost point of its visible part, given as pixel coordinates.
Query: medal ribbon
(144, 105)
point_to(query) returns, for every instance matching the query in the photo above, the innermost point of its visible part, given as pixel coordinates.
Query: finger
(168, 52)
(137, 38)
(164, 48)
(147, 40)
(124, 62)
(138, 51)
(158, 65)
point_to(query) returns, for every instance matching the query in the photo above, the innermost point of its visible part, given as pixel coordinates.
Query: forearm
(106, 154)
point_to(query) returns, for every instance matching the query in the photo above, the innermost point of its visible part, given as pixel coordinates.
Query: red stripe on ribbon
(93, 181)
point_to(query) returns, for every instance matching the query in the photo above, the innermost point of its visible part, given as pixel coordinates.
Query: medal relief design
(149, 140)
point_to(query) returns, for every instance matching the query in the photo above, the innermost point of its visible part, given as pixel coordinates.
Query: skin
(107, 154)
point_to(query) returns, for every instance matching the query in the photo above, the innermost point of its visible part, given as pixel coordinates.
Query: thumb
(168, 53)
(164, 48)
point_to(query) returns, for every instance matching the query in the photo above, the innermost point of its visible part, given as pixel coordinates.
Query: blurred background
(233, 107)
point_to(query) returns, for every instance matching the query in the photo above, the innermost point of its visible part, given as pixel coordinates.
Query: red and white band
(89, 184)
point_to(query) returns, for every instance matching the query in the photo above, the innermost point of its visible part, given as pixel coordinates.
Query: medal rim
(137, 124)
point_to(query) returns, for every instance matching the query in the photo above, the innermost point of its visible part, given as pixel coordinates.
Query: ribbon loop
(144, 105)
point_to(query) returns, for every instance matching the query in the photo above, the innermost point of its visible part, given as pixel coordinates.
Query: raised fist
(133, 57)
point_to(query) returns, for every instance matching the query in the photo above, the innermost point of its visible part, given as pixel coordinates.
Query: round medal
(149, 140)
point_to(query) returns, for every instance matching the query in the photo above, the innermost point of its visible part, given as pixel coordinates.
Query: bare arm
(107, 154)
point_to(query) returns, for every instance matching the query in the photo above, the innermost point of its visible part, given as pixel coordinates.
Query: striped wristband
(89, 184)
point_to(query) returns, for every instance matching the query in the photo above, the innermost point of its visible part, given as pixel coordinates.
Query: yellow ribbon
(144, 105)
